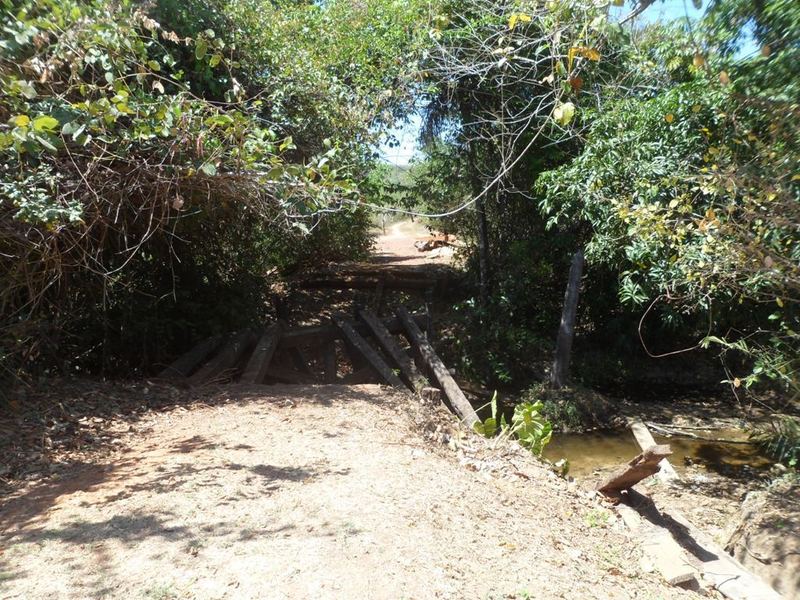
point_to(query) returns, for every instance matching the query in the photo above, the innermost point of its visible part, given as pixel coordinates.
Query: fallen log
(256, 369)
(457, 399)
(642, 466)
(369, 353)
(188, 362)
(408, 370)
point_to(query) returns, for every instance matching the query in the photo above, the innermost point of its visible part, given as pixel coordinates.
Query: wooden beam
(227, 359)
(717, 568)
(642, 466)
(319, 334)
(408, 370)
(345, 282)
(188, 362)
(659, 547)
(369, 353)
(457, 399)
(666, 473)
(256, 369)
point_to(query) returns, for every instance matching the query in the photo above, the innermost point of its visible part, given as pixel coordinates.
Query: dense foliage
(163, 162)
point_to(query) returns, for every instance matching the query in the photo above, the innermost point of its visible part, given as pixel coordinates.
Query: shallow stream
(604, 450)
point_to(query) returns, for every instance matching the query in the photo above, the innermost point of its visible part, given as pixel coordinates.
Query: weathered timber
(329, 361)
(256, 369)
(645, 439)
(642, 466)
(659, 548)
(359, 283)
(431, 395)
(186, 363)
(287, 375)
(723, 572)
(369, 353)
(566, 331)
(226, 359)
(717, 568)
(457, 399)
(408, 370)
(320, 334)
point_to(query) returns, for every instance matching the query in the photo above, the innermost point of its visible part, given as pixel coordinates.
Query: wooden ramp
(683, 554)
(349, 350)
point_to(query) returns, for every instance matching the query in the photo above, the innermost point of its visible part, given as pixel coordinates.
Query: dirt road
(312, 492)
(396, 245)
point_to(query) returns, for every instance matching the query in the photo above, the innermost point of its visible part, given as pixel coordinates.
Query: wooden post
(566, 331)
(369, 353)
(256, 369)
(457, 399)
(408, 369)
(227, 358)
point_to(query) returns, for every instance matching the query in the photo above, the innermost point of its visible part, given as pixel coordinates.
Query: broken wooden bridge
(351, 349)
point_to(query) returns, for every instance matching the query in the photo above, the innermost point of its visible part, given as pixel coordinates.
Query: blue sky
(408, 133)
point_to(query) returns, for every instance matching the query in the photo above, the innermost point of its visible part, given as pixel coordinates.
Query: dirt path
(312, 492)
(396, 246)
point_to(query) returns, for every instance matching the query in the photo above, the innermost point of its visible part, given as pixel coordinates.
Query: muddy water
(603, 450)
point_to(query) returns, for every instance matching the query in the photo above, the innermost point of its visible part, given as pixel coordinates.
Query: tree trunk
(483, 253)
(566, 332)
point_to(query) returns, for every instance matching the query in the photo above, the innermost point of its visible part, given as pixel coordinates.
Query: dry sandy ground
(396, 246)
(313, 492)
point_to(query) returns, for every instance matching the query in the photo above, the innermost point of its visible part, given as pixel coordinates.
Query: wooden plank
(188, 362)
(659, 548)
(641, 467)
(256, 369)
(454, 394)
(717, 568)
(644, 438)
(227, 359)
(329, 361)
(319, 334)
(369, 353)
(726, 574)
(346, 282)
(408, 370)
(287, 375)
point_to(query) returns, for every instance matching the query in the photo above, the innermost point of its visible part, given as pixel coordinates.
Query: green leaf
(45, 123)
(564, 113)
(215, 60)
(209, 169)
(200, 49)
